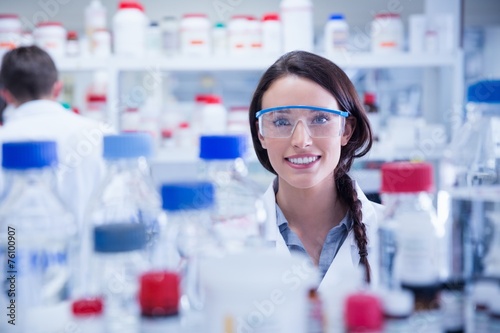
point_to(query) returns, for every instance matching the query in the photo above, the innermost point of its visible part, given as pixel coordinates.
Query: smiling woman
(307, 126)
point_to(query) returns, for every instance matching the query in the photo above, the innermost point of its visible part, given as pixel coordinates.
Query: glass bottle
(38, 237)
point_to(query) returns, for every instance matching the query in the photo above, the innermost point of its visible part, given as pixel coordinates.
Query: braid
(348, 193)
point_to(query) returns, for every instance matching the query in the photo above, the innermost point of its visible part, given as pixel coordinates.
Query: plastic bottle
(88, 315)
(72, 44)
(373, 113)
(219, 39)
(95, 19)
(129, 29)
(128, 193)
(195, 35)
(213, 116)
(120, 260)
(51, 36)
(38, 237)
(10, 32)
(298, 28)
(406, 192)
(188, 206)
(153, 39)
(272, 34)
(239, 214)
(170, 35)
(387, 33)
(254, 35)
(238, 35)
(336, 35)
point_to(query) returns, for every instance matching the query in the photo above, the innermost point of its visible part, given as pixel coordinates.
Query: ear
(56, 89)
(261, 138)
(7, 96)
(350, 126)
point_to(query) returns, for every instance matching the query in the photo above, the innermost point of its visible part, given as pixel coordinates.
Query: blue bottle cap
(337, 16)
(119, 237)
(487, 91)
(127, 145)
(222, 147)
(24, 155)
(187, 195)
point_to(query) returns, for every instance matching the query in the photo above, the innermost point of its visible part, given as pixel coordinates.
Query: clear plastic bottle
(128, 193)
(120, 260)
(37, 239)
(188, 206)
(410, 238)
(239, 214)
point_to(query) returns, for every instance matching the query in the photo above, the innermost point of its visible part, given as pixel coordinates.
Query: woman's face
(301, 160)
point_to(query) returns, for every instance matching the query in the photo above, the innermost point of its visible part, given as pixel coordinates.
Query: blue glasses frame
(313, 108)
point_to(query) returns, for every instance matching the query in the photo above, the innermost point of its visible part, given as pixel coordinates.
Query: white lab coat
(345, 266)
(79, 141)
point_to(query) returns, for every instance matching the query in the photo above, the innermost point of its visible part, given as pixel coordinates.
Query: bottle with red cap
(363, 313)
(87, 315)
(159, 296)
(213, 116)
(272, 32)
(129, 29)
(410, 237)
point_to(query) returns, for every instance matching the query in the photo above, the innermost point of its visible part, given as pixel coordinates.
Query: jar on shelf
(10, 32)
(51, 36)
(195, 35)
(387, 33)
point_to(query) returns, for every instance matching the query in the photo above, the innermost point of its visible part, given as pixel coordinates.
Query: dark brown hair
(329, 76)
(28, 73)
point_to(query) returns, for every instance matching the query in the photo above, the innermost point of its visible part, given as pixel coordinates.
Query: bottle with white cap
(95, 19)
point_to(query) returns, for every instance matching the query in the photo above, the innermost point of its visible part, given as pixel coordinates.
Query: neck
(318, 208)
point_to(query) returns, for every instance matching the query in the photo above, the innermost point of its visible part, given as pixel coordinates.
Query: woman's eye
(281, 122)
(320, 119)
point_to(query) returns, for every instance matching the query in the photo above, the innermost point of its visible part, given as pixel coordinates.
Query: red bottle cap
(213, 99)
(407, 177)
(369, 98)
(130, 5)
(363, 313)
(271, 17)
(87, 307)
(159, 293)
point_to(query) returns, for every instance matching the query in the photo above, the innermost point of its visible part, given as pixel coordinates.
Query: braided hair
(329, 76)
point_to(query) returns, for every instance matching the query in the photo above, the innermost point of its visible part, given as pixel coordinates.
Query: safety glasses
(280, 122)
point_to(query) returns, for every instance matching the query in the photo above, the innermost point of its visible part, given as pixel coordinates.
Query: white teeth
(303, 160)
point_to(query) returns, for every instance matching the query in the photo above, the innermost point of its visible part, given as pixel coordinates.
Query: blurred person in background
(30, 86)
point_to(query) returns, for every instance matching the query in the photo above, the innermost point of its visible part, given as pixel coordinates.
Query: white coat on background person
(40, 117)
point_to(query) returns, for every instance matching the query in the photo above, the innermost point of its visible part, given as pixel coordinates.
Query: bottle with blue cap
(37, 238)
(239, 214)
(127, 192)
(336, 35)
(187, 240)
(119, 258)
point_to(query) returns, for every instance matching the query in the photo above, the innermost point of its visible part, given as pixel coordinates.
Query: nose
(300, 135)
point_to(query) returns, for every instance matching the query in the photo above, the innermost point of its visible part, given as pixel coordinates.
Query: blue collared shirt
(334, 240)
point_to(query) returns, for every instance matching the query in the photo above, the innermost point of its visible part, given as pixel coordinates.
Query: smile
(303, 160)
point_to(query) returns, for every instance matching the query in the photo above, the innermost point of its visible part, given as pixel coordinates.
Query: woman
(307, 126)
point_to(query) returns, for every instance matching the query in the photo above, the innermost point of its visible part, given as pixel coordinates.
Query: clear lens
(282, 123)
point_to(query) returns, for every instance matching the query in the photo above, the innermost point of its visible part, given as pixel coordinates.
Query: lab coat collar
(32, 108)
